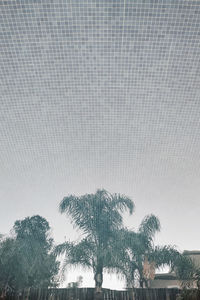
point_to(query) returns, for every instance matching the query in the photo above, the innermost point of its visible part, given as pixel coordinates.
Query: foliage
(140, 257)
(191, 294)
(187, 272)
(10, 263)
(27, 259)
(99, 217)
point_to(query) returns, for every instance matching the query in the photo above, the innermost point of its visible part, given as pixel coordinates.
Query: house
(170, 280)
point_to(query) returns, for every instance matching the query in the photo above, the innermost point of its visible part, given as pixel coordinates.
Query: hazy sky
(101, 93)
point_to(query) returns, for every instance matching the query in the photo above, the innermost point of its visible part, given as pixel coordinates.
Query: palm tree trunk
(98, 277)
(141, 283)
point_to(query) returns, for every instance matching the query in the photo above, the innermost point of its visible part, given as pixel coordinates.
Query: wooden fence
(88, 294)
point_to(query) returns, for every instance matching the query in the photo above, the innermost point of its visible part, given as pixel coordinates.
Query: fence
(88, 294)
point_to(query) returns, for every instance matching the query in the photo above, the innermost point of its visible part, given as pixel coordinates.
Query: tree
(27, 259)
(187, 271)
(99, 217)
(140, 257)
(10, 264)
(188, 274)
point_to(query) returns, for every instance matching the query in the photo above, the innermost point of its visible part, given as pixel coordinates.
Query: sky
(101, 94)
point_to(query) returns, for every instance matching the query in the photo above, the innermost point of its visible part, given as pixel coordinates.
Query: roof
(165, 276)
(191, 252)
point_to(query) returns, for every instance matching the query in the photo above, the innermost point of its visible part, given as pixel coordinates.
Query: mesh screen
(99, 93)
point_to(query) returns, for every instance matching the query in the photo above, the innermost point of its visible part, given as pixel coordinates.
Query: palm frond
(93, 212)
(185, 268)
(149, 226)
(77, 253)
(62, 248)
(122, 203)
(164, 255)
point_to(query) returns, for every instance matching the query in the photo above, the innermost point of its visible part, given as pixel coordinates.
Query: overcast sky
(101, 94)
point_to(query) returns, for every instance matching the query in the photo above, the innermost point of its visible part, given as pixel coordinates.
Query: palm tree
(187, 271)
(99, 217)
(140, 257)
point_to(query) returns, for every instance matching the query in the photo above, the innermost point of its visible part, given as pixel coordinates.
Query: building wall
(195, 256)
(162, 283)
(173, 282)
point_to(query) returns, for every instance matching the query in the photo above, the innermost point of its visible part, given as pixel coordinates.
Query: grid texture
(101, 93)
